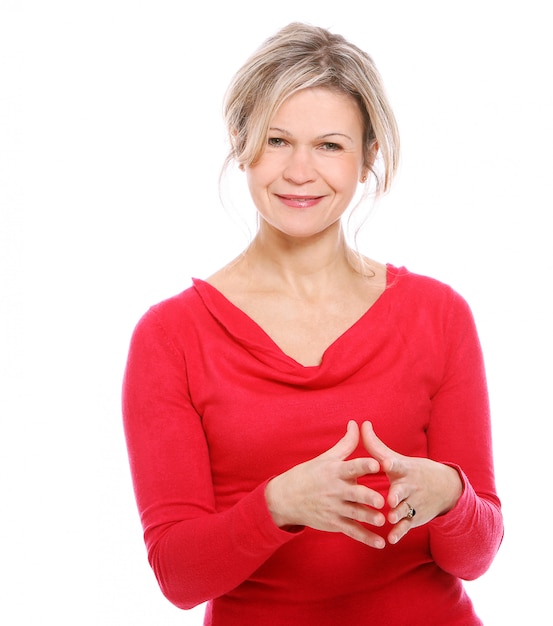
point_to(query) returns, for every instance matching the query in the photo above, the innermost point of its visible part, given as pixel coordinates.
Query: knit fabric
(213, 409)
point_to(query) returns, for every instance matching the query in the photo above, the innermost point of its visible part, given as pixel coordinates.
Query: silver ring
(411, 514)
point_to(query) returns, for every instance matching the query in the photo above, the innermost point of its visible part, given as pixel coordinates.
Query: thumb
(347, 444)
(376, 448)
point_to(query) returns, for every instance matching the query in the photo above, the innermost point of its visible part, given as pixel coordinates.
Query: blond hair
(297, 57)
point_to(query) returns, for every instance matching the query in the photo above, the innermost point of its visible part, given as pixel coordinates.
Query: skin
(298, 282)
(295, 279)
(312, 163)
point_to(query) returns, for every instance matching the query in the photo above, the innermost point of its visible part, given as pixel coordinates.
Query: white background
(111, 141)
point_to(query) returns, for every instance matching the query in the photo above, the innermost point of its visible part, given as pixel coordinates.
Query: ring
(411, 513)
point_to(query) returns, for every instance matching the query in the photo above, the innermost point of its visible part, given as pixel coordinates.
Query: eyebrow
(333, 134)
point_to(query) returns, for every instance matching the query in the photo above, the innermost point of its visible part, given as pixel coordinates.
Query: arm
(452, 490)
(196, 552)
(465, 540)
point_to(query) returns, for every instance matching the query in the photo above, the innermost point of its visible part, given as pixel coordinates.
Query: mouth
(299, 202)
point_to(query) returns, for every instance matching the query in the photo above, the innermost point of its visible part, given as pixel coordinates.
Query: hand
(431, 488)
(323, 493)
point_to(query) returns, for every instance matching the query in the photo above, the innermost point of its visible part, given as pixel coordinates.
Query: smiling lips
(299, 202)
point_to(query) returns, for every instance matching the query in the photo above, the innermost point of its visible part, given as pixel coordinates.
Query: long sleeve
(196, 552)
(465, 540)
(213, 408)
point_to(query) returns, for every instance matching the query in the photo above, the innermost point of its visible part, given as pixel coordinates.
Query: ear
(371, 157)
(233, 134)
(373, 151)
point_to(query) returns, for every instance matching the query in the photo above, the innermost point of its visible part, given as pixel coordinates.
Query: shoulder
(430, 313)
(420, 295)
(419, 286)
(176, 305)
(171, 315)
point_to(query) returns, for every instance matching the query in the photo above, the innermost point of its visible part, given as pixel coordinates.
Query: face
(312, 163)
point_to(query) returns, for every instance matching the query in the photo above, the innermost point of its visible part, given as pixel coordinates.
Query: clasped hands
(324, 493)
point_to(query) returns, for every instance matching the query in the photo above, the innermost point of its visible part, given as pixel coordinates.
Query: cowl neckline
(340, 360)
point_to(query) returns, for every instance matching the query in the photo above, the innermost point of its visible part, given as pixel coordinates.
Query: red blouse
(213, 409)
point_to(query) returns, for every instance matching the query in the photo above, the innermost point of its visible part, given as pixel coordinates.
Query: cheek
(258, 184)
(257, 176)
(346, 177)
(260, 178)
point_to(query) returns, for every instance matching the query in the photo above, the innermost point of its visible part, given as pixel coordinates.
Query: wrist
(455, 490)
(272, 500)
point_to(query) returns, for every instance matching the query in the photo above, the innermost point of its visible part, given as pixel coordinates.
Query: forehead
(319, 106)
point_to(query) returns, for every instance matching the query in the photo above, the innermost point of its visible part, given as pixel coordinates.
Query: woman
(308, 430)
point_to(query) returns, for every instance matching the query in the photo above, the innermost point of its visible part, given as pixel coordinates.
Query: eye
(331, 146)
(275, 142)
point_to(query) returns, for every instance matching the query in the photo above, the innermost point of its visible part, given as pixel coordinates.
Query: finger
(399, 531)
(355, 468)
(377, 448)
(358, 532)
(347, 444)
(399, 512)
(398, 493)
(361, 513)
(364, 496)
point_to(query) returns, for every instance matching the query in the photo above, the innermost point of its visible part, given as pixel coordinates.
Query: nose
(300, 168)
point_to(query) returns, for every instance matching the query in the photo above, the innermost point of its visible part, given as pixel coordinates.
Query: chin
(306, 232)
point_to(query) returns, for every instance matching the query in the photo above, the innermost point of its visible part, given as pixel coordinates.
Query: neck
(300, 265)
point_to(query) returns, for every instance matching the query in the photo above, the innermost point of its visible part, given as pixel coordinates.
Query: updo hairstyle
(297, 57)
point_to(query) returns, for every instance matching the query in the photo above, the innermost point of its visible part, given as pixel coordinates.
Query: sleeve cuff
(255, 530)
